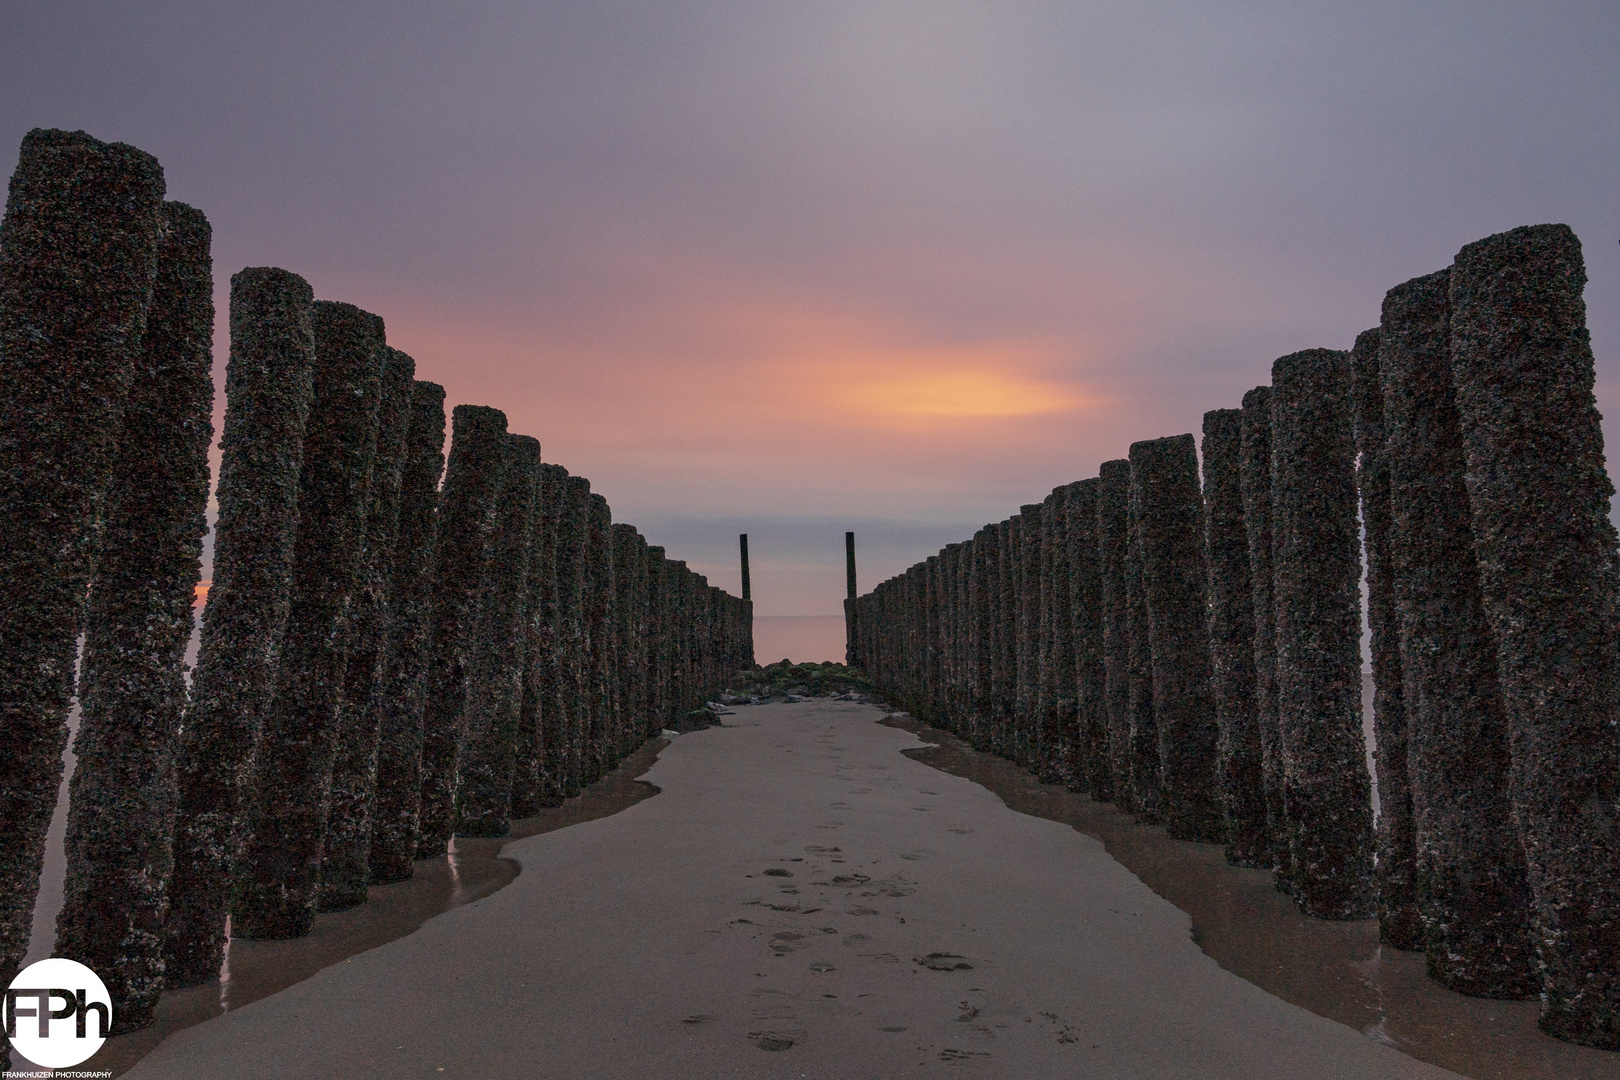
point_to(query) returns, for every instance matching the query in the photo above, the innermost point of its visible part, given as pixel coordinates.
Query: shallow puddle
(473, 870)
(1335, 969)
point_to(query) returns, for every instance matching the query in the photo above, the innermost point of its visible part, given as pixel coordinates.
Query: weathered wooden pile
(385, 662)
(1191, 652)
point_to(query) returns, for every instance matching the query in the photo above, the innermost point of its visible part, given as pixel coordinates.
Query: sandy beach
(800, 900)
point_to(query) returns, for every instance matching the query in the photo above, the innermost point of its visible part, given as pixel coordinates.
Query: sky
(796, 268)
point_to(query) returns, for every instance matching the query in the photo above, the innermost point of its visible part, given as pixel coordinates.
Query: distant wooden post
(742, 542)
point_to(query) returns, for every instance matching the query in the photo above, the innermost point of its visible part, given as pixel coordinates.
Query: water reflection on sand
(473, 870)
(1335, 969)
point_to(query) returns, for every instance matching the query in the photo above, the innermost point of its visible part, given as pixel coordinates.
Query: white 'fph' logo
(57, 1013)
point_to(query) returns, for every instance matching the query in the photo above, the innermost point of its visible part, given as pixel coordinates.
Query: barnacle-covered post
(1057, 682)
(131, 684)
(1522, 367)
(495, 667)
(1254, 477)
(279, 886)
(1113, 549)
(1239, 767)
(533, 781)
(466, 523)
(1145, 767)
(601, 610)
(346, 863)
(1168, 508)
(1394, 866)
(1316, 570)
(398, 789)
(269, 385)
(573, 532)
(78, 253)
(1092, 768)
(1470, 871)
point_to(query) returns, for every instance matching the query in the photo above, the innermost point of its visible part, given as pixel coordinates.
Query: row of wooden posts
(1191, 652)
(385, 661)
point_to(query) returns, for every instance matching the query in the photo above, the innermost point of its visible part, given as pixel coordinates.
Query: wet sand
(802, 899)
(1335, 969)
(474, 869)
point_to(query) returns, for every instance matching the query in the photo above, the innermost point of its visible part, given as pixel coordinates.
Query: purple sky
(796, 268)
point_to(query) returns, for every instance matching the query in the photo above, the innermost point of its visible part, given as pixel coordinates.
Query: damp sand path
(1334, 969)
(801, 900)
(475, 869)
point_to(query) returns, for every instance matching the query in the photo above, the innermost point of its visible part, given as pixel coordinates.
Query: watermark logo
(57, 1013)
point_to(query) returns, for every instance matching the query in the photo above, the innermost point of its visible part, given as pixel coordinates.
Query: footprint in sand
(770, 1006)
(943, 961)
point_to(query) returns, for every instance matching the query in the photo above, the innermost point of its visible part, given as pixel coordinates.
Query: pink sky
(897, 268)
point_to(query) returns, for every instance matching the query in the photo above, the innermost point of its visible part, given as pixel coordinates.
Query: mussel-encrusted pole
(573, 529)
(1470, 882)
(269, 385)
(1057, 641)
(1028, 584)
(279, 887)
(601, 613)
(131, 684)
(346, 864)
(1169, 512)
(1522, 367)
(657, 640)
(1145, 766)
(1254, 476)
(1239, 767)
(1007, 638)
(1316, 571)
(1113, 541)
(1397, 898)
(78, 252)
(402, 695)
(533, 782)
(631, 574)
(466, 524)
(494, 695)
(1093, 770)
